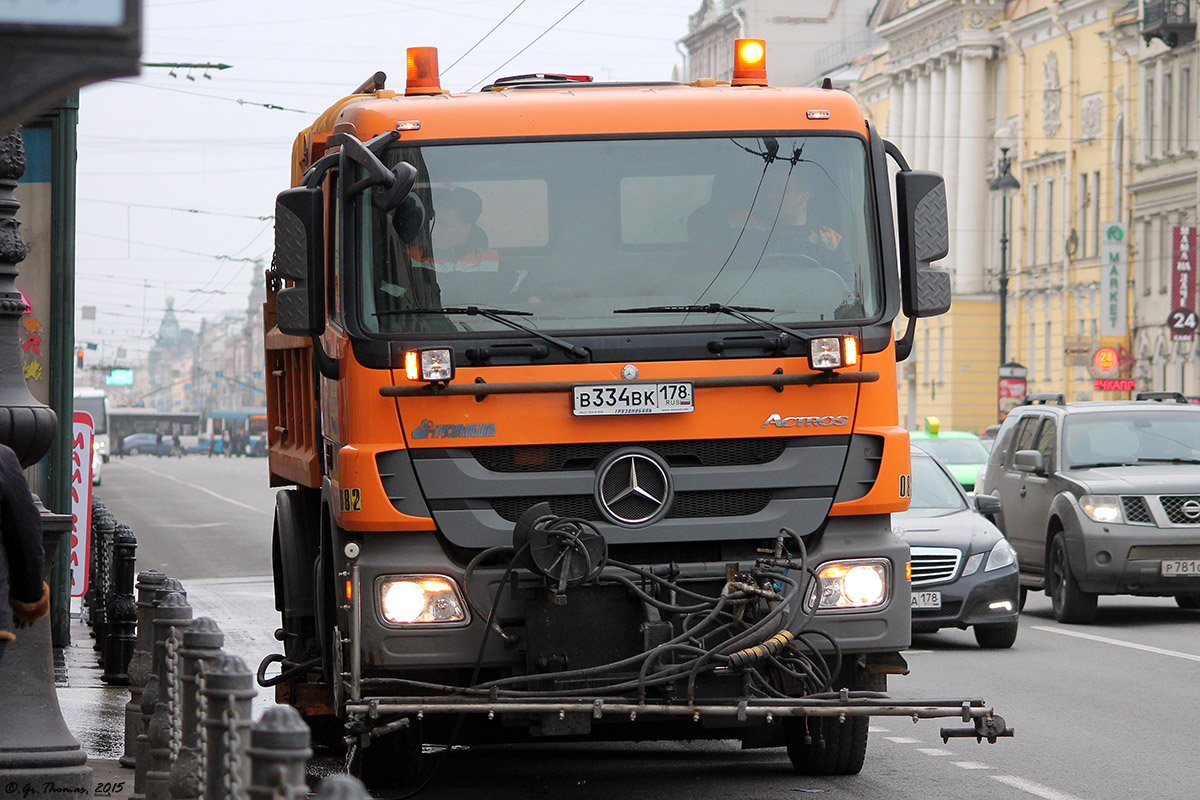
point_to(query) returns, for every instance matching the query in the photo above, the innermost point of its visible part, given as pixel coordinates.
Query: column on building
(920, 153)
(895, 118)
(909, 105)
(952, 111)
(972, 163)
(937, 115)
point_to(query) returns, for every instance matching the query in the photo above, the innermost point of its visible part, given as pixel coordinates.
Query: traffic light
(79, 358)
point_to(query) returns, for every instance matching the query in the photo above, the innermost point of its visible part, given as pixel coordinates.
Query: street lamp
(1006, 185)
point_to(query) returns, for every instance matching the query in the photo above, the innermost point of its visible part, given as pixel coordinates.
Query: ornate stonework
(1051, 96)
(1091, 109)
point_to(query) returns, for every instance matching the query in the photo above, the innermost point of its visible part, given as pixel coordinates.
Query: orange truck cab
(585, 394)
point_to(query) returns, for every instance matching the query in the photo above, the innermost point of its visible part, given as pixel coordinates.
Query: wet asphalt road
(1102, 712)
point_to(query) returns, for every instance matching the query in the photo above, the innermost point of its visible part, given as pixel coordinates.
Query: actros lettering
(780, 421)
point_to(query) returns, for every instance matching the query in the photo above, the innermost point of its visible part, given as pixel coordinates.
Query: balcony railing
(1169, 20)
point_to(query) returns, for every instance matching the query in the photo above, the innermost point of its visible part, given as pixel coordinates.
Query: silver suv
(1100, 498)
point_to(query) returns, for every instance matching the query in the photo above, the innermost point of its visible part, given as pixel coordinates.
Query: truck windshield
(572, 231)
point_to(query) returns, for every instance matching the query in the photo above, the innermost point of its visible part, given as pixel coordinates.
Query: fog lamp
(433, 364)
(851, 584)
(408, 599)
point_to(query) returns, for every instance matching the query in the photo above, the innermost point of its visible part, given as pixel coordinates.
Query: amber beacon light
(750, 62)
(423, 75)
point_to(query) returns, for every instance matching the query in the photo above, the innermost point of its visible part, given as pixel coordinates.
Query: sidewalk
(95, 712)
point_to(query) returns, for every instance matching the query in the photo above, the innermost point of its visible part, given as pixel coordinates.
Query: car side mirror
(1029, 461)
(987, 504)
(924, 237)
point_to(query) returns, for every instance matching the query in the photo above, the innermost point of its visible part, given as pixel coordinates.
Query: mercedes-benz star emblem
(633, 488)
(629, 372)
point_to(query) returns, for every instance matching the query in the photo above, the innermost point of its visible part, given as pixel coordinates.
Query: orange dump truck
(586, 397)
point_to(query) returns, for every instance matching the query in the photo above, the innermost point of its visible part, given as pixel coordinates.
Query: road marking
(202, 489)
(191, 524)
(970, 765)
(876, 729)
(1035, 789)
(935, 751)
(1118, 643)
(901, 740)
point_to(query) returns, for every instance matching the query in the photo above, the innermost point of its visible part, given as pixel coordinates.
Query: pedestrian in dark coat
(28, 597)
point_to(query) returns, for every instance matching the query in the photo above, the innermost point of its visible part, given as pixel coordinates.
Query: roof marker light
(408, 125)
(818, 113)
(423, 75)
(749, 62)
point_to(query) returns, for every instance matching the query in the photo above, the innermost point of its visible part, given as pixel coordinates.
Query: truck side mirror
(299, 251)
(924, 237)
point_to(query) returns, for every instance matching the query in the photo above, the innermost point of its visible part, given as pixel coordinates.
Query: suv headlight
(1102, 507)
(408, 599)
(1002, 555)
(851, 584)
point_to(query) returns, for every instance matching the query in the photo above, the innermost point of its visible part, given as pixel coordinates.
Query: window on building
(1163, 229)
(1185, 108)
(1095, 209)
(1081, 227)
(1147, 267)
(1032, 360)
(1148, 106)
(1168, 101)
(1050, 227)
(1031, 250)
(1048, 351)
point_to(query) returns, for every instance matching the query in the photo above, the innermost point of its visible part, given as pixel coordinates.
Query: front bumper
(971, 601)
(1128, 559)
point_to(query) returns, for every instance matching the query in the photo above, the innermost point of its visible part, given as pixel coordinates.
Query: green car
(963, 453)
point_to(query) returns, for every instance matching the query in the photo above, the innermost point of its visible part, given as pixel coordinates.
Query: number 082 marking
(906, 485)
(351, 499)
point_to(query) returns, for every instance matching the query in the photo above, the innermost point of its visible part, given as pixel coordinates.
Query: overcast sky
(177, 172)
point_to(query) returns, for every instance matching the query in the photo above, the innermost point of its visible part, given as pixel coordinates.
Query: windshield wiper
(1173, 460)
(500, 315)
(716, 308)
(1104, 464)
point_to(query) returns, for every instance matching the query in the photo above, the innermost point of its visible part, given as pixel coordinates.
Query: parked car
(1101, 498)
(962, 452)
(964, 572)
(138, 443)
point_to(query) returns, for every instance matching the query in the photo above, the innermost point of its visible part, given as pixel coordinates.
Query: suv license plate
(674, 397)
(926, 599)
(1178, 568)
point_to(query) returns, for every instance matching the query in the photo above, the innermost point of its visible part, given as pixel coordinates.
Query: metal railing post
(228, 693)
(139, 664)
(279, 751)
(170, 618)
(202, 641)
(120, 610)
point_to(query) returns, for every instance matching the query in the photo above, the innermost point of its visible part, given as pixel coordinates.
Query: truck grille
(1136, 510)
(1182, 509)
(585, 456)
(686, 505)
(934, 564)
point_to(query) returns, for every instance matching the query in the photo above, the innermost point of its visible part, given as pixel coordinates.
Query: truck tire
(1188, 601)
(825, 745)
(1072, 605)
(996, 637)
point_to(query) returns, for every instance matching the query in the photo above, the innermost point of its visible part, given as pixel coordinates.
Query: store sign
(1011, 388)
(1182, 319)
(81, 501)
(1114, 385)
(1114, 273)
(1077, 350)
(104, 13)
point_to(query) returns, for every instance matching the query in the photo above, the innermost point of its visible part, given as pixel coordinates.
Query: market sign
(1114, 271)
(1182, 319)
(1114, 385)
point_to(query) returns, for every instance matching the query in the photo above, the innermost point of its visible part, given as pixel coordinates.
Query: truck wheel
(996, 637)
(1072, 605)
(1188, 601)
(391, 761)
(826, 746)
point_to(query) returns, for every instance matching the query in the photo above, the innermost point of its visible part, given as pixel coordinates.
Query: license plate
(1179, 568)
(641, 398)
(926, 599)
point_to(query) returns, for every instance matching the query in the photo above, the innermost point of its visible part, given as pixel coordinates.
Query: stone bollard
(279, 751)
(342, 787)
(139, 665)
(171, 615)
(121, 610)
(202, 642)
(228, 694)
(103, 525)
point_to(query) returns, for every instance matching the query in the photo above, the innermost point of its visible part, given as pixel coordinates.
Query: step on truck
(584, 394)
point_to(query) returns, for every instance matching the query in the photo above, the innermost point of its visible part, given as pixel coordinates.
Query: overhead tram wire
(260, 218)
(240, 101)
(486, 35)
(526, 47)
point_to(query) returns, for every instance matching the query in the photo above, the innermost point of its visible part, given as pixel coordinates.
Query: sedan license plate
(926, 599)
(1180, 568)
(640, 398)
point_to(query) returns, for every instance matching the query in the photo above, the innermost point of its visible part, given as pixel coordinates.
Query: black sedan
(964, 572)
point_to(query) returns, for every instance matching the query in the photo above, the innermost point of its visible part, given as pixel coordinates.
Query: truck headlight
(1002, 555)
(851, 584)
(1102, 507)
(407, 599)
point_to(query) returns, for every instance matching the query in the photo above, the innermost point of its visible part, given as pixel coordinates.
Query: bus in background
(95, 402)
